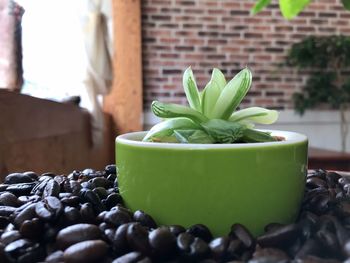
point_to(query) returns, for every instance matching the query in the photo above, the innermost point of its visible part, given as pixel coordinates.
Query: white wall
(321, 127)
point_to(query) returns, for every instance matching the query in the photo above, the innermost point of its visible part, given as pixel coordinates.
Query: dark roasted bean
(31, 229)
(176, 229)
(315, 182)
(49, 209)
(102, 182)
(200, 231)
(55, 257)
(77, 233)
(117, 217)
(26, 214)
(144, 219)
(163, 242)
(111, 169)
(6, 210)
(280, 237)
(87, 213)
(9, 237)
(20, 189)
(18, 178)
(9, 199)
(101, 192)
(137, 236)
(269, 255)
(218, 247)
(132, 257)
(120, 243)
(86, 251)
(52, 188)
(184, 241)
(243, 234)
(112, 200)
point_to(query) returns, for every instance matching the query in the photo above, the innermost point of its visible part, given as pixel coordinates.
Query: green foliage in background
(326, 57)
(289, 8)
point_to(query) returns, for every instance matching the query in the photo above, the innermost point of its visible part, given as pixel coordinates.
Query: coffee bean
(270, 255)
(87, 213)
(137, 236)
(102, 182)
(9, 237)
(176, 229)
(117, 217)
(6, 210)
(55, 257)
(77, 233)
(25, 214)
(49, 209)
(200, 231)
(112, 200)
(52, 188)
(310, 247)
(101, 192)
(280, 237)
(9, 199)
(218, 247)
(86, 251)
(199, 248)
(31, 229)
(163, 242)
(18, 178)
(243, 234)
(16, 248)
(144, 219)
(20, 189)
(315, 183)
(71, 215)
(111, 169)
(132, 257)
(120, 243)
(184, 241)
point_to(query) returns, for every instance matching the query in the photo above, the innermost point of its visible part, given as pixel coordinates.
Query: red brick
(223, 34)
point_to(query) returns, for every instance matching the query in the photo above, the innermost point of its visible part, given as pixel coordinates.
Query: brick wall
(223, 34)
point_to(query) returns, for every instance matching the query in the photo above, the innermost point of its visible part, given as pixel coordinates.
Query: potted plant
(326, 57)
(207, 164)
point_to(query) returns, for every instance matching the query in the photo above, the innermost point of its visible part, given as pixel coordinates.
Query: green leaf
(291, 8)
(192, 136)
(259, 5)
(224, 131)
(170, 110)
(210, 95)
(346, 4)
(232, 95)
(212, 92)
(250, 135)
(164, 131)
(191, 90)
(255, 114)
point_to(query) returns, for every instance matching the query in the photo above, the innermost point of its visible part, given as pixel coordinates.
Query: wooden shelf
(328, 159)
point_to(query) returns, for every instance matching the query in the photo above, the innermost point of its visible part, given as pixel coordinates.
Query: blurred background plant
(290, 8)
(326, 58)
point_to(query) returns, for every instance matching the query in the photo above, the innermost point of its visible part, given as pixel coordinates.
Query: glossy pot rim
(134, 139)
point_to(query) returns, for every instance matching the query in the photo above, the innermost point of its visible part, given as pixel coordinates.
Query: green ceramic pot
(214, 184)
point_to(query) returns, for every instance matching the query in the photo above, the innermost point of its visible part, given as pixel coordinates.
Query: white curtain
(67, 51)
(96, 23)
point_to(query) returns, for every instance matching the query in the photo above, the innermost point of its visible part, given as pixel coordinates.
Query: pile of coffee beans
(81, 218)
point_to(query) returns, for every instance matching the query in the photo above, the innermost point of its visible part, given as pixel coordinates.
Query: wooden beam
(124, 102)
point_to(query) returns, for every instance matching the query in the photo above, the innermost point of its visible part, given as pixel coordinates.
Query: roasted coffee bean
(71, 201)
(144, 219)
(200, 231)
(18, 178)
(218, 247)
(89, 196)
(71, 215)
(32, 175)
(163, 242)
(310, 247)
(269, 255)
(55, 257)
(272, 227)
(20, 189)
(315, 182)
(18, 247)
(49, 209)
(87, 213)
(23, 199)
(176, 229)
(137, 236)
(111, 169)
(101, 192)
(9, 199)
(6, 210)
(25, 214)
(52, 188)
(199, 248)
(184, 241)
(112, 178)
(9, 237)
(117, 217)
(132, 257)
(281, 237)
(243, 234)
(77, 233)
(102, 182)
(86, 251)
(31, 229)
(112, 200)
(120, 243)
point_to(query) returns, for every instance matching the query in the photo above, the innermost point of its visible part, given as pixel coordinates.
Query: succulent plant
(211, 116)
